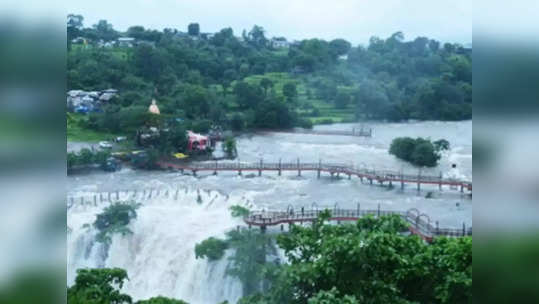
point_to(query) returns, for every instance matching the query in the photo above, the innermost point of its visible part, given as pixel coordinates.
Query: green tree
(266, 84)
(248, 96)
(105, 31)
(420, 152)
(441, 145)
(115, 219)
(370, 262)
(256, 37)
(211, 248)
(98, 286)
(290, 91)
(229, 147)
(193, 29)
(425, 155)
(161, 300)
(238, 211)
(339, 47)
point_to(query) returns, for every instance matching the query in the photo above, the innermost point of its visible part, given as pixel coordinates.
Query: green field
(75, 131)
(327, 111)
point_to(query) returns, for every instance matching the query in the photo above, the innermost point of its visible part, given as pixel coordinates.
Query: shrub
(305, 123)
(212, 248)
(229, 146)
(420, 152)
(238, 211)
(161, 300)
(441, 145)
(114, 219)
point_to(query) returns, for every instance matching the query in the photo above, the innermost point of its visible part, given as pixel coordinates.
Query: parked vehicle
(105, 145)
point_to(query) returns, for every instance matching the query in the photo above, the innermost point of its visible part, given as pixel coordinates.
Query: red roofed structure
(197, 142)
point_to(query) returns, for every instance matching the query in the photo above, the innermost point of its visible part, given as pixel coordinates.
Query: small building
(279, 43)
(126, 41)
(197, 142)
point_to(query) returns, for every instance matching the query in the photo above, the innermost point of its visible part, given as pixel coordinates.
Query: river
(159, 255)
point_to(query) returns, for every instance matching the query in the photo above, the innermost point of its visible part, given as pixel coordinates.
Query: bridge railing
(417, 222)
(383, 175)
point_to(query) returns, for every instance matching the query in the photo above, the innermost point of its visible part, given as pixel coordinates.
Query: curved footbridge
(380, 176)
(420, 223)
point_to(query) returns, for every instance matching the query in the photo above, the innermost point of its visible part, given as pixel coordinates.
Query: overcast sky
(353, 20)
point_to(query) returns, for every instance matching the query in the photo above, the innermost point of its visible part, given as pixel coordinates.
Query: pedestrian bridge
(420, 223)
(380, 176)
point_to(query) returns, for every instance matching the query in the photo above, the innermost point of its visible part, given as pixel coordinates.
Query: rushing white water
(159, 255)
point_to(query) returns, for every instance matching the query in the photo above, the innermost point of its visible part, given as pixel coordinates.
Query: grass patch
(327, 111)
(75, 132)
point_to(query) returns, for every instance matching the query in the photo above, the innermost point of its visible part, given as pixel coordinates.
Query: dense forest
(245, 81)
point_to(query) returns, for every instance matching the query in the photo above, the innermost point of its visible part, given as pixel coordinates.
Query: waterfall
(159, 256)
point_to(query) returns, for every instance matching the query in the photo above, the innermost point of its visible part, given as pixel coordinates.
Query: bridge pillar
(282, 227)
(239, 172)
(402, 184)
(181, 170)
(361, 178)
(418, 186)
(263, 228)
(194, 172)
(279, 167)
(461, 188)
(370, 180)
(215, 172)
(338, 173)
(349, 176)
(299, 168)
(318, 174)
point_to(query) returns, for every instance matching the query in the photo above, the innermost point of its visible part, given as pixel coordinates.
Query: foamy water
(159, 256)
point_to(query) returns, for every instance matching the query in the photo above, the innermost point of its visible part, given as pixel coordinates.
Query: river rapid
(159, 255)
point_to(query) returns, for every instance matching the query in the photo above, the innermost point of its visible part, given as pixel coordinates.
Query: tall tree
(98, 286)
(105, 31)
(193, 29)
